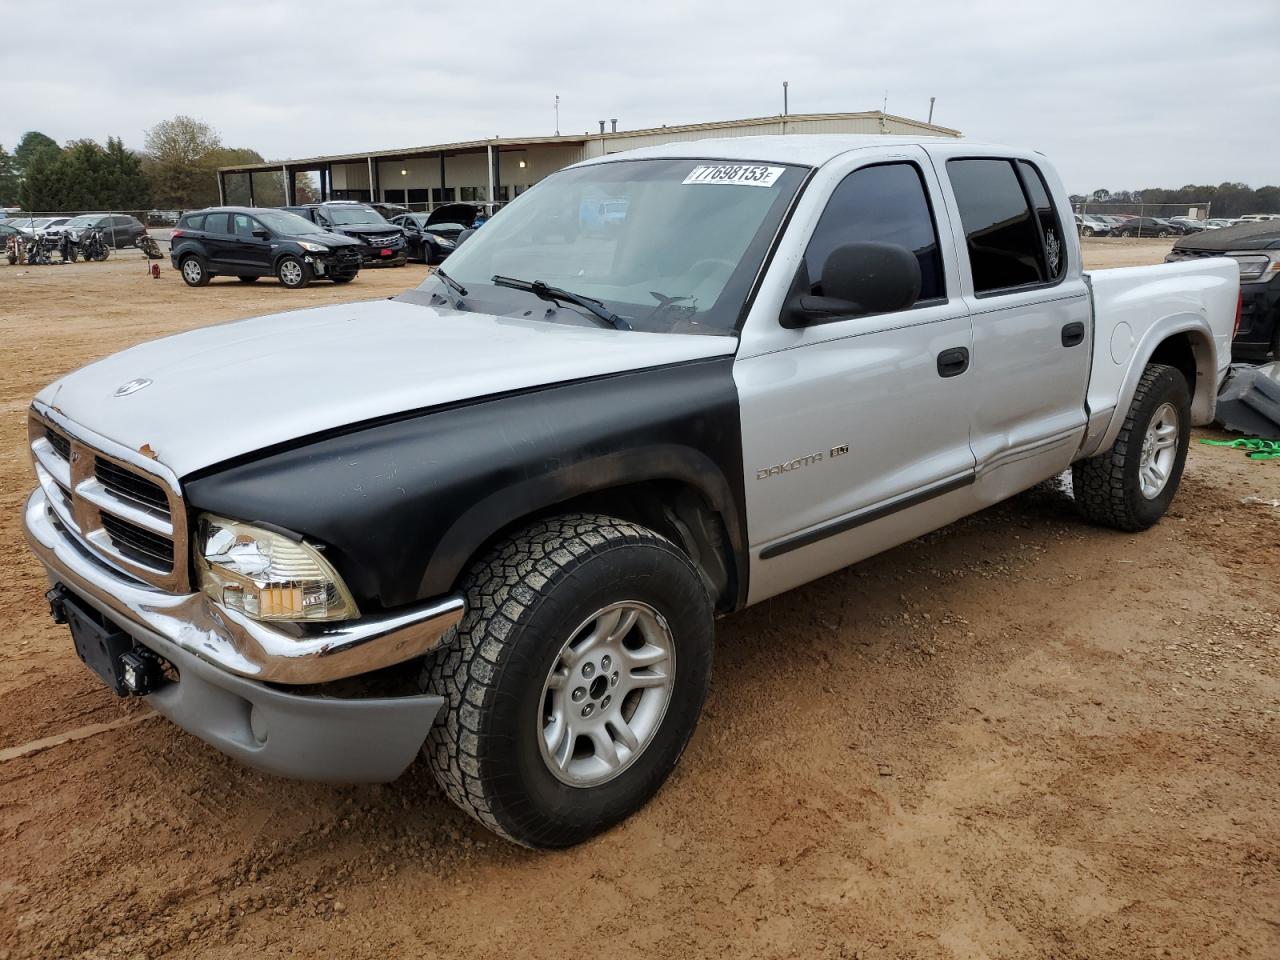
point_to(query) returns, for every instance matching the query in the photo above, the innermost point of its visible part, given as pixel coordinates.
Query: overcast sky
(1121, 94)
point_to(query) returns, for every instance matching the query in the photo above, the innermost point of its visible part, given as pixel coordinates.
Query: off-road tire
(189, 276)
(1107, 487)
(524, 600)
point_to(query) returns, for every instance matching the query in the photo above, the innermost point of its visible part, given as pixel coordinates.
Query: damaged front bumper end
(229, 668)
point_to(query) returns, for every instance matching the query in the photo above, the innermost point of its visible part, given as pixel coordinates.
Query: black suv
(251, 242)
(1256, 247)
(383, 243)
(118, 230)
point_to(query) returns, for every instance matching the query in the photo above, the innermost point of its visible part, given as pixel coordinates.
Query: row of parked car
(314, 241)
(118, 230)
(1128, 225)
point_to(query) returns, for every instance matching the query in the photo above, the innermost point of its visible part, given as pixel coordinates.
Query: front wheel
(1131, 486)
(574, 681)
(1087, 231)
(293, 273)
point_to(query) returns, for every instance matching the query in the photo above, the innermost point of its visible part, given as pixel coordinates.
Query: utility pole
(931, 99)
(784, 98)
(557, 114)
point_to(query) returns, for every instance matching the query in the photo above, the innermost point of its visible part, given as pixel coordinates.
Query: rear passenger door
(217, 242)
(1022, 279)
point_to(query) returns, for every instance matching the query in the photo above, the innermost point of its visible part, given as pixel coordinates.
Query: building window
(472, 194)
(439, 195)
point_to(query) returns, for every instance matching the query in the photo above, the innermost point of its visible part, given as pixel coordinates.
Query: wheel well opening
(1192, 356)
(1177, 352)
(671, 508)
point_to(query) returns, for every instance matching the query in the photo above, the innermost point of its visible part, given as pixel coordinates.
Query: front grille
(128, 513)
(124, 483)
(387, 240)
(138, 544)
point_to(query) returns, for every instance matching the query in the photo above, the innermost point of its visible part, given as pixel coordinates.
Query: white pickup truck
(494, 519)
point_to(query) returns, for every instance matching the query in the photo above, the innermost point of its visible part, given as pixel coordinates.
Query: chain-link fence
(1112, 218)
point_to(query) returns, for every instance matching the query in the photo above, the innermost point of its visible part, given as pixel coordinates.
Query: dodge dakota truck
(493, 520)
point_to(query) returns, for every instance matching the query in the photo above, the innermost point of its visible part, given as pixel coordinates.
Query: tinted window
(884, 204)
(192, 221)
(215, 223)
(1000, 231)
(1055, 253)
(244, 225)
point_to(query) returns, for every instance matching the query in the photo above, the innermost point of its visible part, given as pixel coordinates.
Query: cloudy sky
(1122, 94)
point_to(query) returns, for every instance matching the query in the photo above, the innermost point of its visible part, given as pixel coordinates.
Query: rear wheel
(293, 273)
(193, 271)
(1131, 486)
(1087, 231)
(574, 681)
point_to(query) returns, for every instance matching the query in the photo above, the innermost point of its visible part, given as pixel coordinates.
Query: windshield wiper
(557, 295)
(451, 283)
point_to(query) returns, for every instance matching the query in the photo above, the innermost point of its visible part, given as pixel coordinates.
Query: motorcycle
(68, 249)
(93, 245)
(149, 247)
(38, 251)
(15, 249)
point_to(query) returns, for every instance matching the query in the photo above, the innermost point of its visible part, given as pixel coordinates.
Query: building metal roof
(472, 146)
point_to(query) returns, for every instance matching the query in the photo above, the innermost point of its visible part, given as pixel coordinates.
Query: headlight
(312, 247)
(444, 241)
(1256, 266)
(266, 575)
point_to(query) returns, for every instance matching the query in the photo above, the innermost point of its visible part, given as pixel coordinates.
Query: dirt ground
(1019, 737)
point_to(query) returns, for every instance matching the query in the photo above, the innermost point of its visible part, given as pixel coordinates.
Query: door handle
(953, 362)
(1073, 334)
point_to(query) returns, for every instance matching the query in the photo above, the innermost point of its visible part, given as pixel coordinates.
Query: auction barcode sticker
(735, 174)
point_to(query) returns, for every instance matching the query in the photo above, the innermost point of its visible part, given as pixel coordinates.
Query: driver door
(855, 432)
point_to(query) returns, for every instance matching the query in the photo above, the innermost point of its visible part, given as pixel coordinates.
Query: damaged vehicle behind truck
(526, 489)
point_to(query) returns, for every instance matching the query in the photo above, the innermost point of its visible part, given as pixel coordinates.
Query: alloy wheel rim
(191, 270)
(290, 272)
(606, 694)
(1159, 451)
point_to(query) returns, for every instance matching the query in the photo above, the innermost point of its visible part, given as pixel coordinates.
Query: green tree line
(175, 170)
(1226, 199)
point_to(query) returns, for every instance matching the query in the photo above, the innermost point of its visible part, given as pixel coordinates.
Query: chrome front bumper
(276, 653)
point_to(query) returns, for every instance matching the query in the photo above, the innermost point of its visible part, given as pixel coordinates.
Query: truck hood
(224, 391)
(1243, 236)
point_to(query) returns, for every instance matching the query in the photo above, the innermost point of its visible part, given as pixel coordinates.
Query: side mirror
(462, 237)
(262, 234)
(858, 279)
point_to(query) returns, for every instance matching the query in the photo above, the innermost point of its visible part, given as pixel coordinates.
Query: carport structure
(494, 171)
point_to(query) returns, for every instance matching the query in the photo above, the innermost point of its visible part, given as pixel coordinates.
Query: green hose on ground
(1255, 447)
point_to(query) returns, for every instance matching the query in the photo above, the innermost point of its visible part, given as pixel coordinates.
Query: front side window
(669, 246)
(886, 203)
(244, 225)
(1009, 224)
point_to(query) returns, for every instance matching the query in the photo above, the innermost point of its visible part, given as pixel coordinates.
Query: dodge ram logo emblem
(133, 386)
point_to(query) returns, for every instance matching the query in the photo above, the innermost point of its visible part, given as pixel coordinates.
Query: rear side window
(215, 223)
(886, 203)
(1055, 254)
(1007, 247)
(192, 221)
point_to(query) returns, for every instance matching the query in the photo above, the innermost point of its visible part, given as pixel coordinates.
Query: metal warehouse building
(499, 169)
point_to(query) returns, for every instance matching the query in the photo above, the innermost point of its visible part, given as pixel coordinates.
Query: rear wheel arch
(1191, 353)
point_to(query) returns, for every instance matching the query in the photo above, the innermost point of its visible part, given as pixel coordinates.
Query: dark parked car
(450, 220)
(381, 242)
(426, 243)
(1147, 227)
(118, 230)
(1256, 248)
(250, 242)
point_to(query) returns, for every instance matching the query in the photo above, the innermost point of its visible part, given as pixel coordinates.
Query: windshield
(667, 245)
(290, 224)
(347, 216)
(83, 221)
